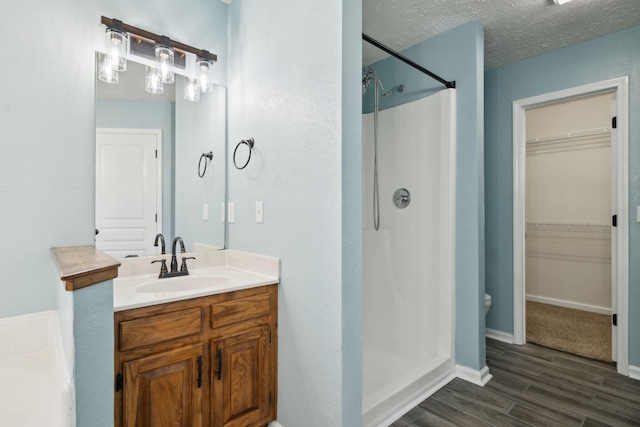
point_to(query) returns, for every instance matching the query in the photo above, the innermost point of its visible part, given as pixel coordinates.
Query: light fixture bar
(134, 31)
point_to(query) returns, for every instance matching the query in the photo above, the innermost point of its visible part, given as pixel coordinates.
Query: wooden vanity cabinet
(208, 361)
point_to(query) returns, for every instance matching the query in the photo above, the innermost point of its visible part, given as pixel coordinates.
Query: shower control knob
(401, 198)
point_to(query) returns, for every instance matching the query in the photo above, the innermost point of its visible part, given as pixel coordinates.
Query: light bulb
(107, 71)
(191, 90)
(153, 80)
(164, 61)
(204, 81)
(116, 48)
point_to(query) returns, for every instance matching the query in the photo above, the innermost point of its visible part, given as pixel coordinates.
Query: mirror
(150, 152)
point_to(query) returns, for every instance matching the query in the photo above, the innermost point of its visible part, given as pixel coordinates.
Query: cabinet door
(240, 372)
(164, 389)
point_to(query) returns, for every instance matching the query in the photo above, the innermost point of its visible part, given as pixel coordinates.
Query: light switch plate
(231, 212)
(259, 212)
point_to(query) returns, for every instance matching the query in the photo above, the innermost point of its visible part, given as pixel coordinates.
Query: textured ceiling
(514, 29)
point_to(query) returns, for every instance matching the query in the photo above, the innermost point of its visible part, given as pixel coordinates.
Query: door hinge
(119, 382)
(156, 154)
(156, 217)
(614, 220)
(614, 320)
(614, 122)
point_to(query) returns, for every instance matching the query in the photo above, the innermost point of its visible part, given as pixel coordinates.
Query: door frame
(620, 253)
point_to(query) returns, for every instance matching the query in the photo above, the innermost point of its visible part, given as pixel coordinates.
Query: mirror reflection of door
(568, 226)
(128, 190)
(190, 203)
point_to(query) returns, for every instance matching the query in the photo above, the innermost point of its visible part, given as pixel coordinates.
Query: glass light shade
(203, 67)
(116, 43)
(164, 62)
(191, 90)
(106, 70)
(153, 80)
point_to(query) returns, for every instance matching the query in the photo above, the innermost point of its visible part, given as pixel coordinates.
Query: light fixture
(191, 90)
(153, 80)
(559, 2)
(116, 43)
(115, 57)
(165, 60)
(203, 67)
(106, 70)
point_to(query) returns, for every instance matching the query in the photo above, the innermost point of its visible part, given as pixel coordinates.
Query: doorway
(568, 209)
(617, 91)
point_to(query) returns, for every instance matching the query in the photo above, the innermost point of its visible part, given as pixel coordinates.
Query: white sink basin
(181, 284)
(145, 289)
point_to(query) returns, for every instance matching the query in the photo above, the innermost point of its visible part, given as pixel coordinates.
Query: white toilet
(487, 303)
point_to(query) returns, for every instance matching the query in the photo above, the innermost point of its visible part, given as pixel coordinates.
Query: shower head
(397, 89)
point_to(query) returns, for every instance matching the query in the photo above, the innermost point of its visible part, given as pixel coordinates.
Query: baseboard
(634, 372)
(473, 376)
(569, 304)
(499, 335)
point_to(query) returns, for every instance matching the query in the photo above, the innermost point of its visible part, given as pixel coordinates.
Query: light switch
(231, 212)
(205, 212)
(259, 212)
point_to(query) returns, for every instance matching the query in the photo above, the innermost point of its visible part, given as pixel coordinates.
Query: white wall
(568, 175)
(288, 91)
(568, 206)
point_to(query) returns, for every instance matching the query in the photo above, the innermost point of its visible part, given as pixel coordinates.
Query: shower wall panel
(408, 263)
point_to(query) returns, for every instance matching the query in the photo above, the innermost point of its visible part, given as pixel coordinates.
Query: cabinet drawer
(162, 327)
(238, 310)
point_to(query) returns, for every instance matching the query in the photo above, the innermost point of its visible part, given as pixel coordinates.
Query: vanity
(189, 350)
(197, 350)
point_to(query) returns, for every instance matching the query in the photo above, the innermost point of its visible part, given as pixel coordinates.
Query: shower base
(394, 384)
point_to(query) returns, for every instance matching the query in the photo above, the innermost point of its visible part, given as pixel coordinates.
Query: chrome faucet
(160, 237)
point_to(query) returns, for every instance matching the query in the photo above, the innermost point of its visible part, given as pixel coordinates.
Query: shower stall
(408, 279)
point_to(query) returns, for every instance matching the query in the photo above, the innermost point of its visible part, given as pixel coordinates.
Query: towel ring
(249, 143)
(209, 156)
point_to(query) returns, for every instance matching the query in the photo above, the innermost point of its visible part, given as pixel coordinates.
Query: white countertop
(215, 273)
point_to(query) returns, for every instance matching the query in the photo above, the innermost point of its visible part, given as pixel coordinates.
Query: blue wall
(600, 59)
(293, 86)
(129, 114)
(455, 55)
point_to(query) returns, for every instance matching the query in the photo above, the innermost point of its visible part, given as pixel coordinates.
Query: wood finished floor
(533, 386)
